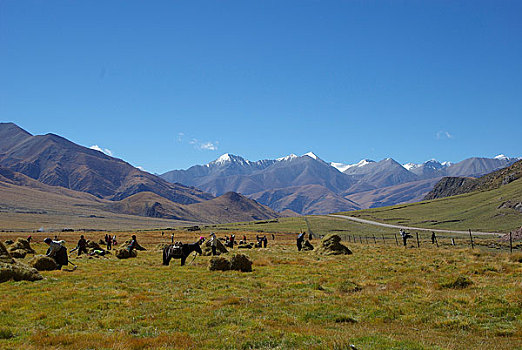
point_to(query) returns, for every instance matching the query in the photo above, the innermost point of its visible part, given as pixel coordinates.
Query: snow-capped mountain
(343, 167)
(283, 183)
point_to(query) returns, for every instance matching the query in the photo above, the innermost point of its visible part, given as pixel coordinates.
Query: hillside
(408, 192)
(451, 186)
(56, 161)
(26, 203)
(489, 211)
(230, 207)
(310, 199)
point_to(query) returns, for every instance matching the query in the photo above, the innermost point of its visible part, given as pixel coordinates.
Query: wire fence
(434, 240)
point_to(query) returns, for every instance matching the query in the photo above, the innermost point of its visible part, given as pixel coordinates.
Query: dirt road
(364, 221)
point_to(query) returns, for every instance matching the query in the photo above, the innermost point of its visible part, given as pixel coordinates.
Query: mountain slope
(408, 192)
(28, 203)
(308, 200)
(56, 161)
(484, 211)
(451, 186)
(385, 173)
(233, 173)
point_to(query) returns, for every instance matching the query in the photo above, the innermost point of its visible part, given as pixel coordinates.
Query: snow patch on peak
(224, 158)
(364, 162)
(502, 157)
(288, 157)
(229, 158)
(409, 166)
(311, 155)
(340, 166)
(345, 167)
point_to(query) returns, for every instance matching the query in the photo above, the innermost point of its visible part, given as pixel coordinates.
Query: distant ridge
(451, 186)
(308, 185)
(54, 167)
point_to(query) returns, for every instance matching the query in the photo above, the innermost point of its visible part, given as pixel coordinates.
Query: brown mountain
(451, 186)
(28, 203)
(56, 161)
(308, 200)
(230, 207)
(409, 192)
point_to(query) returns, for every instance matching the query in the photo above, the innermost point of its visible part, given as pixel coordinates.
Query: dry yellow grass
(381, 297)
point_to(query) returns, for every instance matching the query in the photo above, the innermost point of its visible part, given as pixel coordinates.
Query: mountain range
(308, 185)
(51, 164)
(291, 185)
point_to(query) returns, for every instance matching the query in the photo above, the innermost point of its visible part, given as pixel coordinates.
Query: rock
(241, 262)
(43, 263)
(123, 253)
(207, 248)
(331, 245)
(218, 263)
(10, 269)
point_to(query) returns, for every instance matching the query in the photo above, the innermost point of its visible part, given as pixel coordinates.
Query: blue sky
(169, 84)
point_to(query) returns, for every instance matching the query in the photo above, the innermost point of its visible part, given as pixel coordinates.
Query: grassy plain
(478, 211)
(381, 297)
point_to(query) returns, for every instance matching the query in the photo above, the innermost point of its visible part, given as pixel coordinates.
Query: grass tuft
(460, 282)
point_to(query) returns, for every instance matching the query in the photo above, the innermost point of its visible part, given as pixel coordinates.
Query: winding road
(364, 221)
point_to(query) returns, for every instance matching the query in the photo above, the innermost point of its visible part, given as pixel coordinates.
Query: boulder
(43, 263)
(241, 262)
(218, 263)
(10, 269)
(331, 245)
(207, 248)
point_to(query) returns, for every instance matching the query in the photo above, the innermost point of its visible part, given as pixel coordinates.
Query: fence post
(452, 241)
(349, 238)
(374, 240)
(418, 243)
(396, 241)
(360, 239)
(510, 242)
(471, 238)
(436, 240)
(383, 240)
(366, 240)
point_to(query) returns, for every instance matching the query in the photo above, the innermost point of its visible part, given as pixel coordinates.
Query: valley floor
(381, 297)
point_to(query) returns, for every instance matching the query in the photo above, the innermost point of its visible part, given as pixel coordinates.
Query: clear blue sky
(169, 84)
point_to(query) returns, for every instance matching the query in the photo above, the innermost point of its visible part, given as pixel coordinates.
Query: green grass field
(478, 211)
(381, 297)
